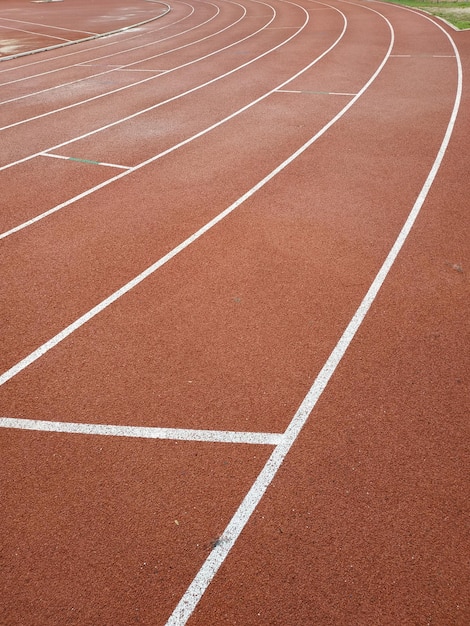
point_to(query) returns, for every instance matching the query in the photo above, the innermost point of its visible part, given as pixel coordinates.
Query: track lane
(37, 38)
(82, 543)
(366, 520)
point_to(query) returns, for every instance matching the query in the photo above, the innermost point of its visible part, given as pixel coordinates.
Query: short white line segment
(79, 160)
(143, 432)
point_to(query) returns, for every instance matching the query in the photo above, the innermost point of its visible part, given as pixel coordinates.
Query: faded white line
(85, 39)
(79, 160)
(70, 30)
(30, 32)
(324, 93)
(210, 567)
(144, 432)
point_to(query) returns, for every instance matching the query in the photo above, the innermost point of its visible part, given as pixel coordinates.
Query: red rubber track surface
(115, 153)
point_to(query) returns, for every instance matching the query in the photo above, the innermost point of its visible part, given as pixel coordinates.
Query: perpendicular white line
(210, 567)
(53, 156)
(30, 32)
(326, 93)
(143, 432)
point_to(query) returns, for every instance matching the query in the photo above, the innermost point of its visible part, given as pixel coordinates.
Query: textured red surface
(367, 520)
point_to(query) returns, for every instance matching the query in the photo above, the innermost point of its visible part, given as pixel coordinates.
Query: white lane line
(133, 69)
(322, 93)
(210, 567)
(128, 65)
(89, 161)
(70, 30)
(144, 432)
(30, 32)
(423, 56)
(63, 205)
(150, 78)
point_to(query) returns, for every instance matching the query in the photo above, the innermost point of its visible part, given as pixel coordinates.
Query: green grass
(450, 11)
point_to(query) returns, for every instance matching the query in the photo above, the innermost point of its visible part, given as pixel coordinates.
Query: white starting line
(143, 432)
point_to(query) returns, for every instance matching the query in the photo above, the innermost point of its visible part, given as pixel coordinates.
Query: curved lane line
(203, 578)
(150, 78)
(100, 58)
(71, 43)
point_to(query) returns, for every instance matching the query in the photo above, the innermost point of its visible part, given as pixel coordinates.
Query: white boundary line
(124, 87)
(70, 30)
(63, 205)
(205, 575)
(30, 32)
(88, 161)
(144, 432)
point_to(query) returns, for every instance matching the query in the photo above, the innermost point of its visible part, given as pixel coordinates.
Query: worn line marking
(31, 32)
(322, 93)
(210, 567)
(97, 47)
(122, 167)
(143, 432)
(89, 161)
(145, 80)
(423, 56)
(90, 38)
(70, 30)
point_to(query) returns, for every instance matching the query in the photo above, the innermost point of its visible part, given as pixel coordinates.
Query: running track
(235, 297)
